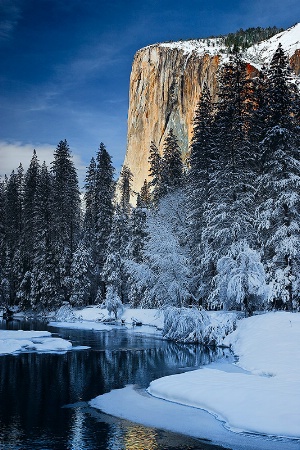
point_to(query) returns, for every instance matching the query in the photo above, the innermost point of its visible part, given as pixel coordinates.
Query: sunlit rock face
(295, 62)
(165, 86)
(166, 83)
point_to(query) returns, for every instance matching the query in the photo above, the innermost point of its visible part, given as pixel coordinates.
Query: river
(43, 397)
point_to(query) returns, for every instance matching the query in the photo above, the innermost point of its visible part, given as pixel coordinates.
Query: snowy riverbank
(264, 398)
(13, 342)
(93, 318)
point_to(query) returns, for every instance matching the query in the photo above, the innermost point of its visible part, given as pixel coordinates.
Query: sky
(65, 66)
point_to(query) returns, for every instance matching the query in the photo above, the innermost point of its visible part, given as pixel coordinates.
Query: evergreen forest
(220, 231)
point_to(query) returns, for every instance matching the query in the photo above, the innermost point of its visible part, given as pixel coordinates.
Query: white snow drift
(40, 341)
(262, 397)
(266, 399)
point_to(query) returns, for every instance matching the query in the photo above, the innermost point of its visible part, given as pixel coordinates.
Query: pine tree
(2, 228)
(155, 169)
(66, 214)
(240, 281)
(45, 292)
(13, 229)
(102, 216)
(125, 189)
(229, 209)
(172, 166)
(114, 271)
(162, 276)
(145, 195)
(89, 198)
(199, 174)
(80, 276)
(278, 188)
(119, 241)
(138, 232)
(29, 228)
(278, 91)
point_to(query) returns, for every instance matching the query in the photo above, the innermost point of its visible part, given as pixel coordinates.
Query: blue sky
(65, 65)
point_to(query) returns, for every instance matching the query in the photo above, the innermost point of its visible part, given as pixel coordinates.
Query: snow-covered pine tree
(172, 166)
(113, 270)
(135, 250)
(229, 209)
(101, 212)
(80, 275)
(278, 91)
(138, 232)
(44, 290)
(2, 231)
(155, 163)
(278, 215)
(125, 190)
(89, 198)
(200, 171)
(145, 195)
(66, 215)
(29, 228)
(164, 275)
(13, 229)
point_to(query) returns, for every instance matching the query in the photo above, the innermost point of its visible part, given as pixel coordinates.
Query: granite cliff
(165, 86)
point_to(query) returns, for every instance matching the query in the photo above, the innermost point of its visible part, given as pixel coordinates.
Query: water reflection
(134, 438)
(34, 388)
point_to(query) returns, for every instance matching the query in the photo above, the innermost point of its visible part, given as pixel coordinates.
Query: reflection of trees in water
(140, 366)
(34, 387)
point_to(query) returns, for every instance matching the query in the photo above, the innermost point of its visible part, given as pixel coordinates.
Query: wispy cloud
(14, 153)
(10, 13)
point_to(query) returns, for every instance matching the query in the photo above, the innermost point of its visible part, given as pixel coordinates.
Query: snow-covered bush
(221, 324)
(281, 286)
(241, 280)
(192, 325)
(65, 314)
(113, 302)
(185, 324)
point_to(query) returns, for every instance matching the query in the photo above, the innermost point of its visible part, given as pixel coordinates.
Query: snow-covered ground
(262, 397)
(23, 341)
(91, 318)
(263, 51)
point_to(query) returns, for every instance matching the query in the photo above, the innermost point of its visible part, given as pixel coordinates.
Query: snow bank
(136, 406)
(41, 341)
(84, 325)
(92, 318)
(152, 317)
(264, 400)
(268, 344)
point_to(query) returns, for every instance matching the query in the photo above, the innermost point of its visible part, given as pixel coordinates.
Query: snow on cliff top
(259, 54)
(289, 39)
(211, 46)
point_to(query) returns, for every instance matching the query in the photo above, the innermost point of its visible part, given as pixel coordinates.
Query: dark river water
(43, 397)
